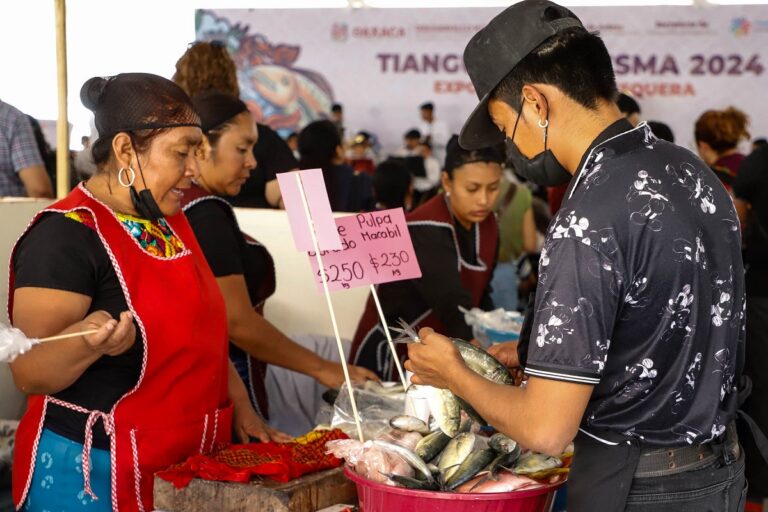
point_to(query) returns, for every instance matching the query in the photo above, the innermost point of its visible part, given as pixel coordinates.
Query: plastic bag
(375, 406)
(489, 327)
(370, 461)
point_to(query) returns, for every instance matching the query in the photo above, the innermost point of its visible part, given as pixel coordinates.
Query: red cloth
(281, 462)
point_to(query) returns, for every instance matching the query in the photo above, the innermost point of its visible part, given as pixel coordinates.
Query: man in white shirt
(433, 131)
(414, 146)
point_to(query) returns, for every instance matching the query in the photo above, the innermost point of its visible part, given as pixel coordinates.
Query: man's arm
(543, 416)
(36, 181)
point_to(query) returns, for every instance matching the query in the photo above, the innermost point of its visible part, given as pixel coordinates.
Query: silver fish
(482, 363)
(412, 483)
(502, 443)
(473, 464)
(444, 407)
(471, 412)
(534, 462)
(411, 458)
(456, 452)
(503, 461)
(409, 424)
(476, 359)
(431, 445)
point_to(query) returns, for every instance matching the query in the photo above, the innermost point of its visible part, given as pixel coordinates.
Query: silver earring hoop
(121, 178)
(544, 124)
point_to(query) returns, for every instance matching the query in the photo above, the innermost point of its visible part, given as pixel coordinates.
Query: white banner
(381, 64)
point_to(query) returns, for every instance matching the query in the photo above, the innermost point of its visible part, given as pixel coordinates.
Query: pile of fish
(449, 453)
(414, 457)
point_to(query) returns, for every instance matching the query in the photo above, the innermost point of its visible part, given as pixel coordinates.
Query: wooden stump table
(306, 494)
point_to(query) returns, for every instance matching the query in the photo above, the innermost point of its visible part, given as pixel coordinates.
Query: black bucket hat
(500, 46)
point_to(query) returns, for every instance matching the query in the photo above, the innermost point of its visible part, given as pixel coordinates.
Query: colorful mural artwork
(277, 92)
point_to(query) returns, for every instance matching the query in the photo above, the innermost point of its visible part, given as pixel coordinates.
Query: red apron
(261, 286)
(434, 213)
(180, 405)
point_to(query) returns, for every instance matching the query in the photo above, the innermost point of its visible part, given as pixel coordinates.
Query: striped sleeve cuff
(566, 375)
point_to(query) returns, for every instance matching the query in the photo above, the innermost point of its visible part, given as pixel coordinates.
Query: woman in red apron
(456, 238)
(108, 410)
(244, 269)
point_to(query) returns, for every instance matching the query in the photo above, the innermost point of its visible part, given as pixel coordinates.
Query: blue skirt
(58, 485)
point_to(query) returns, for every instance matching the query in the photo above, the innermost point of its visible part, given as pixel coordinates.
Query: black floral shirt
(641, 292)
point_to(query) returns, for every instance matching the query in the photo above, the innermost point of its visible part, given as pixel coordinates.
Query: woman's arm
(254, 334)
(247, 423)
(53, 366)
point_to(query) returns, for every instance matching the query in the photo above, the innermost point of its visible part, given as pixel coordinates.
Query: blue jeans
(715, 488)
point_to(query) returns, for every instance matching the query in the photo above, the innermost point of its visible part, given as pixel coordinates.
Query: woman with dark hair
(150, 384)
(244, 269)
(718, 134)
(207, 66)
(320, 148)
(456, 240)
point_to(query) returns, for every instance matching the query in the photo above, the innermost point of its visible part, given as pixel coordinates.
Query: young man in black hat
(636, 340)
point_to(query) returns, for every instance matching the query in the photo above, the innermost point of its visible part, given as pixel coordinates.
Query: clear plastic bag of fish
(496, 326)
(371, 461)
(375, 407)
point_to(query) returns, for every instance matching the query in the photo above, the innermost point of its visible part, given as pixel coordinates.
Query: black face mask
(143, 202)
(543, 169)
(145, 205)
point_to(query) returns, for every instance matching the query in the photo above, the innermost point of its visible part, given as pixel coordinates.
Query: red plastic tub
(377, 497)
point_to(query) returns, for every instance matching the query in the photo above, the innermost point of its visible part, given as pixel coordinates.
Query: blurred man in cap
(635, 343)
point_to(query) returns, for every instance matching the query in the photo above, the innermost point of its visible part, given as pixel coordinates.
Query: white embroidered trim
(482, 267)
(205, 434)
(136, 471)
(35, 446)
(215, 429)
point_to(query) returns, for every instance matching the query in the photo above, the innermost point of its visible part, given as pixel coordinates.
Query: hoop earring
(121, 178)
(544, 124)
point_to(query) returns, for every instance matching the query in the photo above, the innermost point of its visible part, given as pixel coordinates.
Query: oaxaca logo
(740, 26)
(340, 32)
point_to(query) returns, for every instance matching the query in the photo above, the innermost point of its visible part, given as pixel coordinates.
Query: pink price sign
(376, 248)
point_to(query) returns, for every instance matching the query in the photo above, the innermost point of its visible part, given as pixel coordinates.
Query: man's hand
(435, 361)
(506, 353)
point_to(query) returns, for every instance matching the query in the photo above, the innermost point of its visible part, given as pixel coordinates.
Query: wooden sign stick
(330, 310)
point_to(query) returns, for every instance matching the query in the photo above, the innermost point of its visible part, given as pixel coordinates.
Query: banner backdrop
(382, 64)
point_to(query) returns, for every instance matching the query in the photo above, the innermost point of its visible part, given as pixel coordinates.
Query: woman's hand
(331, 374)
(249, 424)
(113, 337)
